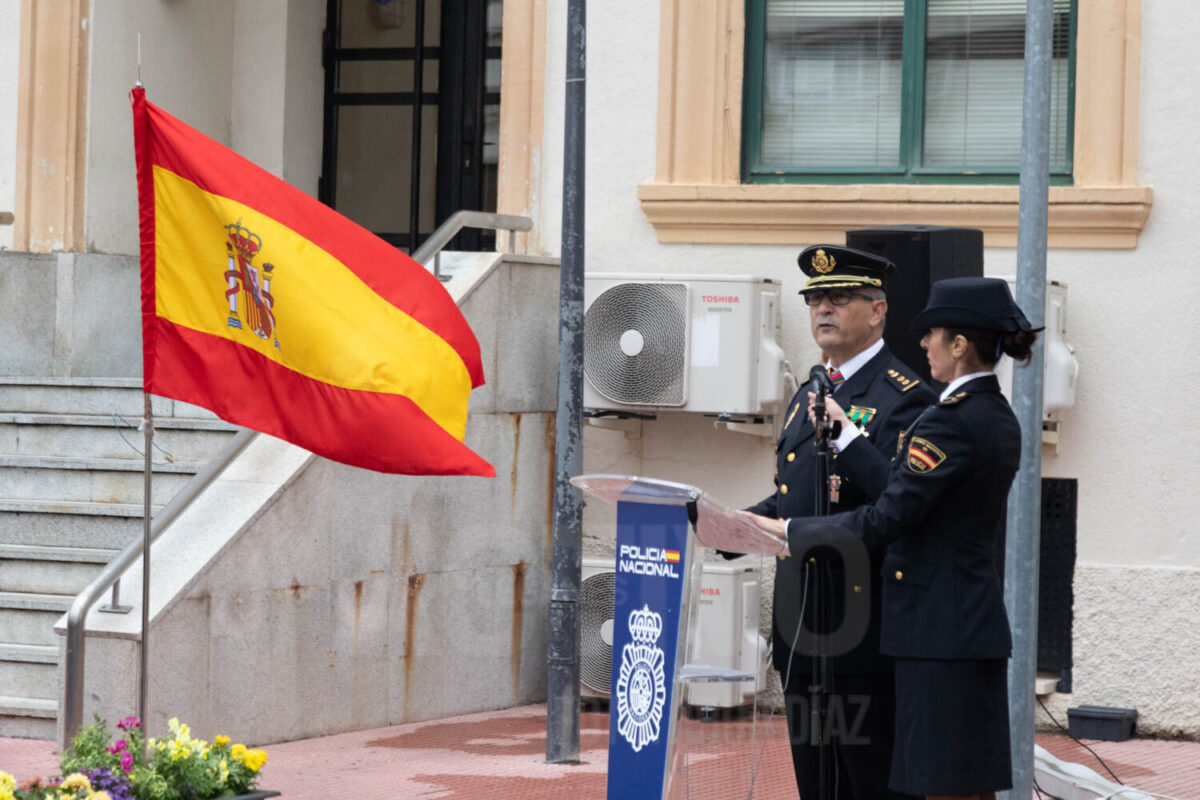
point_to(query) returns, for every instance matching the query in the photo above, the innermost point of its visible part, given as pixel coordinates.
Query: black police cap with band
(830, 266)
(985, 303)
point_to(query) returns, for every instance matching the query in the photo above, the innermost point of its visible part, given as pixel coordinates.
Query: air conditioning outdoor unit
(706, 344)
(726, 632)
(596, 627)
(1061, 369)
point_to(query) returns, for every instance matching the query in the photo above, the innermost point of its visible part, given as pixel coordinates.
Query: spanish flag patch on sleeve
(924, 456)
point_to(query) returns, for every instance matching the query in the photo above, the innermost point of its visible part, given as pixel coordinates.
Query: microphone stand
(819, 689)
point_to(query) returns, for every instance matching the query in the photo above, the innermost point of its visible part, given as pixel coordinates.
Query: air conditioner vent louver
(636, 337)
(596, 620)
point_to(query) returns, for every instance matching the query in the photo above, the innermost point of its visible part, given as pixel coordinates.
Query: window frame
(697, 194)
(912, 116)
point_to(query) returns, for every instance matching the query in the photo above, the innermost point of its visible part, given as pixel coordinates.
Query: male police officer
(847, 307)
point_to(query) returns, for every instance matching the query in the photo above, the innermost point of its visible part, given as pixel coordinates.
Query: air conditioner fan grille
(596, 609)
(655, 375)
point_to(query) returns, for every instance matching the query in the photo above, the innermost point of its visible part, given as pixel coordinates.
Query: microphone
(818, 380)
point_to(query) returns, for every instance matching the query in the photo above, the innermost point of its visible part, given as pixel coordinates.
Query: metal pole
(1025, 499)
(143, 675)
(562, 702)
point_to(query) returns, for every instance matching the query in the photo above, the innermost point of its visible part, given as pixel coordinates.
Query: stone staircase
(71, 488)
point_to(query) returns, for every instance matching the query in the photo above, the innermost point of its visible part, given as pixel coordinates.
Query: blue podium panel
(650, 627)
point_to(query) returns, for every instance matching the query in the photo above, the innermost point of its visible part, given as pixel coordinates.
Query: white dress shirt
(851, 432)
(957, 382)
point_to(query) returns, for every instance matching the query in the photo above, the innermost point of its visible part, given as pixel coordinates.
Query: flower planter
(258, 794)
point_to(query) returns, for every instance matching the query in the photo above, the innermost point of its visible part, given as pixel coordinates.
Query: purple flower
(117, 786)
(129, 723)
(127, 761)
(120, 745)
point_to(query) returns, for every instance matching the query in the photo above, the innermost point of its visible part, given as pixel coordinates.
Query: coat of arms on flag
(252, 283)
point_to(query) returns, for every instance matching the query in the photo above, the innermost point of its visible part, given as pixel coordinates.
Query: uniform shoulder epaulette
(902, 382)
(957, 397)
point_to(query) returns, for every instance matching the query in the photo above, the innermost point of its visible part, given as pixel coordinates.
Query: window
(896, 91)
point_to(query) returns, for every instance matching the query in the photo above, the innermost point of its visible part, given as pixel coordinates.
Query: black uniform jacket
(938, 517)
(891, 397)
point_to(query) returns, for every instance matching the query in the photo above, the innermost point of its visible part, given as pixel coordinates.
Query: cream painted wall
(256, 92)
(1131, 318)
(247, 74)
(10, 56)
(304, 89)
(187, 61)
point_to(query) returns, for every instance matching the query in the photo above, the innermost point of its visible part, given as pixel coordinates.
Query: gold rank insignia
(902, 383)
(924, 456)
(860, 415)
(954, 398)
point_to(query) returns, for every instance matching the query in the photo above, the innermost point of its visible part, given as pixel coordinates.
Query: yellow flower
(76, 780)
(7, 784)
(238, 752)
(255, 759)
(221, 740)
(223, 770)
(99, 796)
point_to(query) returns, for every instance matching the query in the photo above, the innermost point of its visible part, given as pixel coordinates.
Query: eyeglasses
(838, 297)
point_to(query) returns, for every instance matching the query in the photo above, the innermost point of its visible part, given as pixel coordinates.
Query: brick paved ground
(501, 754)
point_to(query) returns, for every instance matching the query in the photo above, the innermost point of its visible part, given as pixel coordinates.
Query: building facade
(680, 179)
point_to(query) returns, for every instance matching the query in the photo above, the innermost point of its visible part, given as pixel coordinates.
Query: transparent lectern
(656, 592)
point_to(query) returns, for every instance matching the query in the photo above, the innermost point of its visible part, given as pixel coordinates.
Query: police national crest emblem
(248, 283)
(641, 685)
(924, 456)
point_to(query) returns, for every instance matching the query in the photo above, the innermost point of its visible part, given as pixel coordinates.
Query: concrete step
(95, 480)
(112, 436)
(29, 671)
(67, 524)
(101, 396)
(28, 618)
(50, 570)
(25, 718)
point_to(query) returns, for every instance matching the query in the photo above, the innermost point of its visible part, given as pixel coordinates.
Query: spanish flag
(278, 314)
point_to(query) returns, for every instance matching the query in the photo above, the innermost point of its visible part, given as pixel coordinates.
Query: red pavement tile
(28, 758)
(1152, 765)
(501, 754)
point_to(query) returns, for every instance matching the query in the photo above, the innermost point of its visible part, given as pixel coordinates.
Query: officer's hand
(832, 410)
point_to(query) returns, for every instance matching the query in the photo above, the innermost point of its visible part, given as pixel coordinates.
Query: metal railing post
(74, 662)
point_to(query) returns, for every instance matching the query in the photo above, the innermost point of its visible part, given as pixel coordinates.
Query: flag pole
(148, 430)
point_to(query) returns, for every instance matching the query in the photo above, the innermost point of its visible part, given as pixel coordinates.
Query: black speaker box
(922, 254)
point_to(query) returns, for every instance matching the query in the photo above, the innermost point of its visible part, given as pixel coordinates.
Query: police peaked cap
(985, 303)
(830, 266)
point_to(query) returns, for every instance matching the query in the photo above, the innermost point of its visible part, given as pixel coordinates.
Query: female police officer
(943, 617)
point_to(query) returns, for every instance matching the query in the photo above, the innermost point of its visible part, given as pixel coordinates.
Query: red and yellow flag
(279, 314)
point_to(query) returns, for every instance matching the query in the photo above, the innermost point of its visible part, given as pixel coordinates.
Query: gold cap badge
(823, 263)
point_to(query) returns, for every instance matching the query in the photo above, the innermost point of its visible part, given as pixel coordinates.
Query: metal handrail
(111, 574)
(486, 220)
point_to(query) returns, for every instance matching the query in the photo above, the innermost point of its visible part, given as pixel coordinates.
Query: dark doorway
(411, 123)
